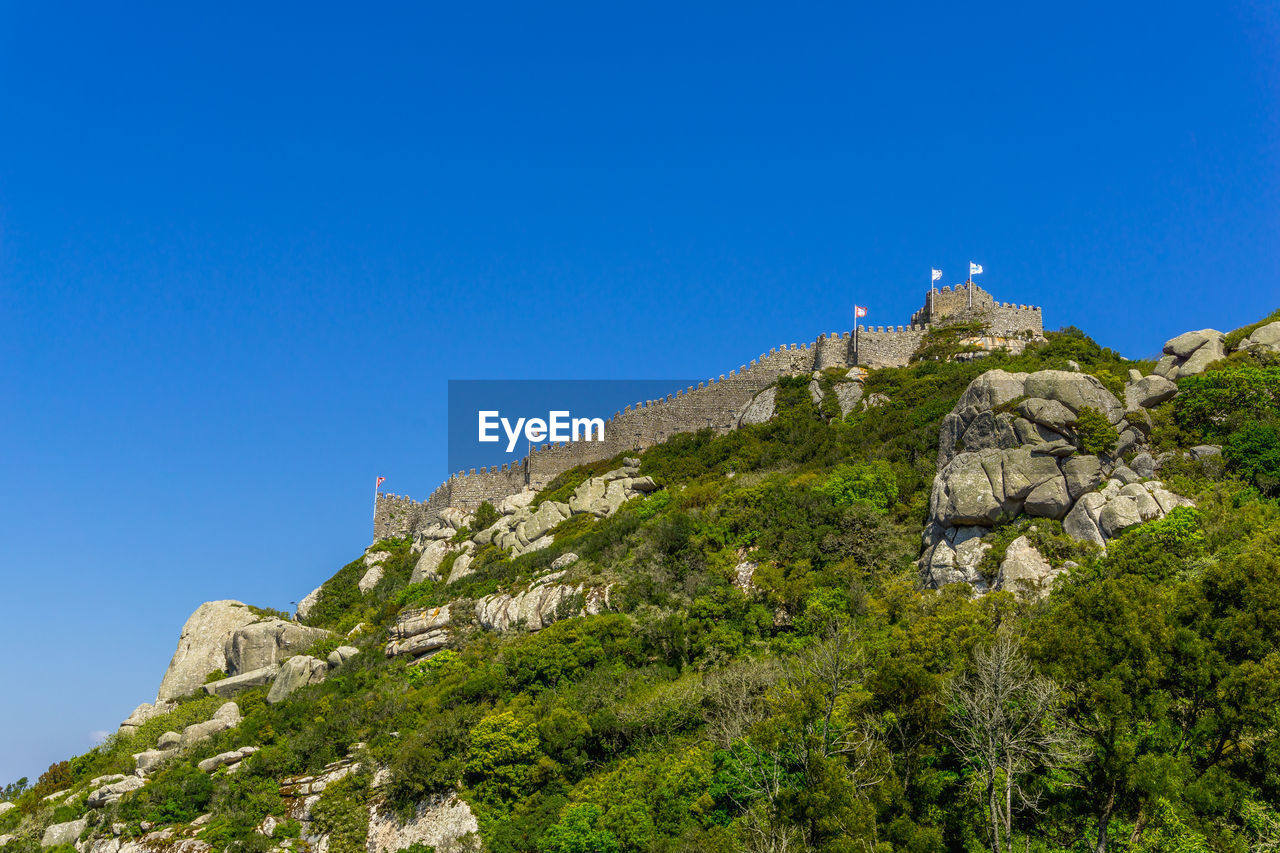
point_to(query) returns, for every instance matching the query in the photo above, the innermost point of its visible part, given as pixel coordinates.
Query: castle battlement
(713, 404)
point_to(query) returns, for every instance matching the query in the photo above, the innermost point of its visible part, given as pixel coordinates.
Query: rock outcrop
(1190, 353)
(523, 529)
(297, 672)
(421, 631)
(113, 791)
(443, 823)
(202, 646)
(64, 833)
(267, 643)
(1263, 339)
(1010, 447)
(141, 714)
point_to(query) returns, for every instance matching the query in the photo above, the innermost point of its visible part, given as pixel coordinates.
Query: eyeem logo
(559, 426)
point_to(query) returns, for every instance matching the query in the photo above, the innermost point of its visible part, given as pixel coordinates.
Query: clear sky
(244, 246)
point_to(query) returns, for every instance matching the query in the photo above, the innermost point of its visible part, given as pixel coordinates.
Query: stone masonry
(713, 404)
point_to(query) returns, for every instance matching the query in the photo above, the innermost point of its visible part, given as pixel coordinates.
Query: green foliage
(484, 516)
(870, 483)
(502, 757)
(1217, 402)
(577, 832)
(178, 794)
(342, 813)
(1253, 451)
(1097, 435)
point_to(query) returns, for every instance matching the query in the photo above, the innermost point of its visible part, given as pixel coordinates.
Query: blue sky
(243, 248)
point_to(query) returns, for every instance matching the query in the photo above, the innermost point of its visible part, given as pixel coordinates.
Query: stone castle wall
(1004, 318)
(715, 403)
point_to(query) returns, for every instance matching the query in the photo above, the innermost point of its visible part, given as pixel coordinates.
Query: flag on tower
(974, 269)
(859, 311)
(381, 480)
(937, 275)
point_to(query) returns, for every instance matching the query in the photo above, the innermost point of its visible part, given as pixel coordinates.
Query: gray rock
(1144, 465)
(226, 759)
(226, 717)
(168, 740)
(541, 522)
(341, 655)
(1081, 522)
(963, 492)
(1049, 500)
(1125, 475)
(267, 643)
(1204, 451)
(235, 684)
(295, 673)
(1083, 474)
(847, 395)
(1075, 391)
(150, 759)
(308, 602)
(201, 646)
(420, 644)
(1167, 367)
(1048, 413)
(1202, 358)
(64, 833)
(1118, 514)
(1024, 569)
(564, 561)
(761, 407)
(1135, 375)
(5, 806)
(375, 558)
(443, 823)
(1263, 339)
(1148, 391)
(462, 565)
(418, 631)
(428, 566)
(142, 713)
(370, 579)
(743, 574)
(1184, 345)
(108, 794)
(1025, 471)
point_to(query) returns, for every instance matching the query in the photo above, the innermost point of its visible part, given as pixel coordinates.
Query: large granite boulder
(142, 713)
(1002, 410)
(1024, 569)
(1148, 391)
(428, 566)
(202, 646)
(267, 643)
(240, 682)
(113, 791)
(297, 672)
(64, 833)
(308, 602)
(1190, 353)
(1104, 514)
(760, 409)
(443, 823)
(419, 631)
(1263, 339)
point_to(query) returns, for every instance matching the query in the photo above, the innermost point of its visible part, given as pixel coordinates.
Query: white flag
(937, 275)
(974, 269)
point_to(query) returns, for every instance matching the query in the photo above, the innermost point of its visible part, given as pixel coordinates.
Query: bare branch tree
(1009, 729)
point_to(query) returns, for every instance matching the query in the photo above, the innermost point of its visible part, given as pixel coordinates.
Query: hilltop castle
(716, 403)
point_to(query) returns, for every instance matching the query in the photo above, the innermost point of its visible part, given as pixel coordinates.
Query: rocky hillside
(987, 600)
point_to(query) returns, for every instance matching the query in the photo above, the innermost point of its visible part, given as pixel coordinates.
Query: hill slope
(735, 648)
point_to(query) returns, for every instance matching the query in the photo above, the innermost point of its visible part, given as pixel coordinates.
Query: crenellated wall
(715, 403)
(1004, 318)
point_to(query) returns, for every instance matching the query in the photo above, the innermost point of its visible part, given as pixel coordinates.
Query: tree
(1008, 727)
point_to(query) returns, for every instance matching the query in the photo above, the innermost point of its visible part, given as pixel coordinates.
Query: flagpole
(855, 334)
(375, 508)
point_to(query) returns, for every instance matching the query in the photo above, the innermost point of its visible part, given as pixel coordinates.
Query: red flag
(381, 480)
(859, 311)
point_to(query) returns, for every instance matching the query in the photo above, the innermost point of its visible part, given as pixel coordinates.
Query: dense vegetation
(831, 706)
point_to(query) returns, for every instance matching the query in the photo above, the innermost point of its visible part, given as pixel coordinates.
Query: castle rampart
(713, 404)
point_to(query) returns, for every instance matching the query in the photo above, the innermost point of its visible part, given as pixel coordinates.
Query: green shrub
(1234, 338)
(484, 516)
(1097, 435)
(1253, 451)
(870, 483)
(342, 813)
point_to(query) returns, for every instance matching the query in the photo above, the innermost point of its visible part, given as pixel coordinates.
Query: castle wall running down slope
(715, 403)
